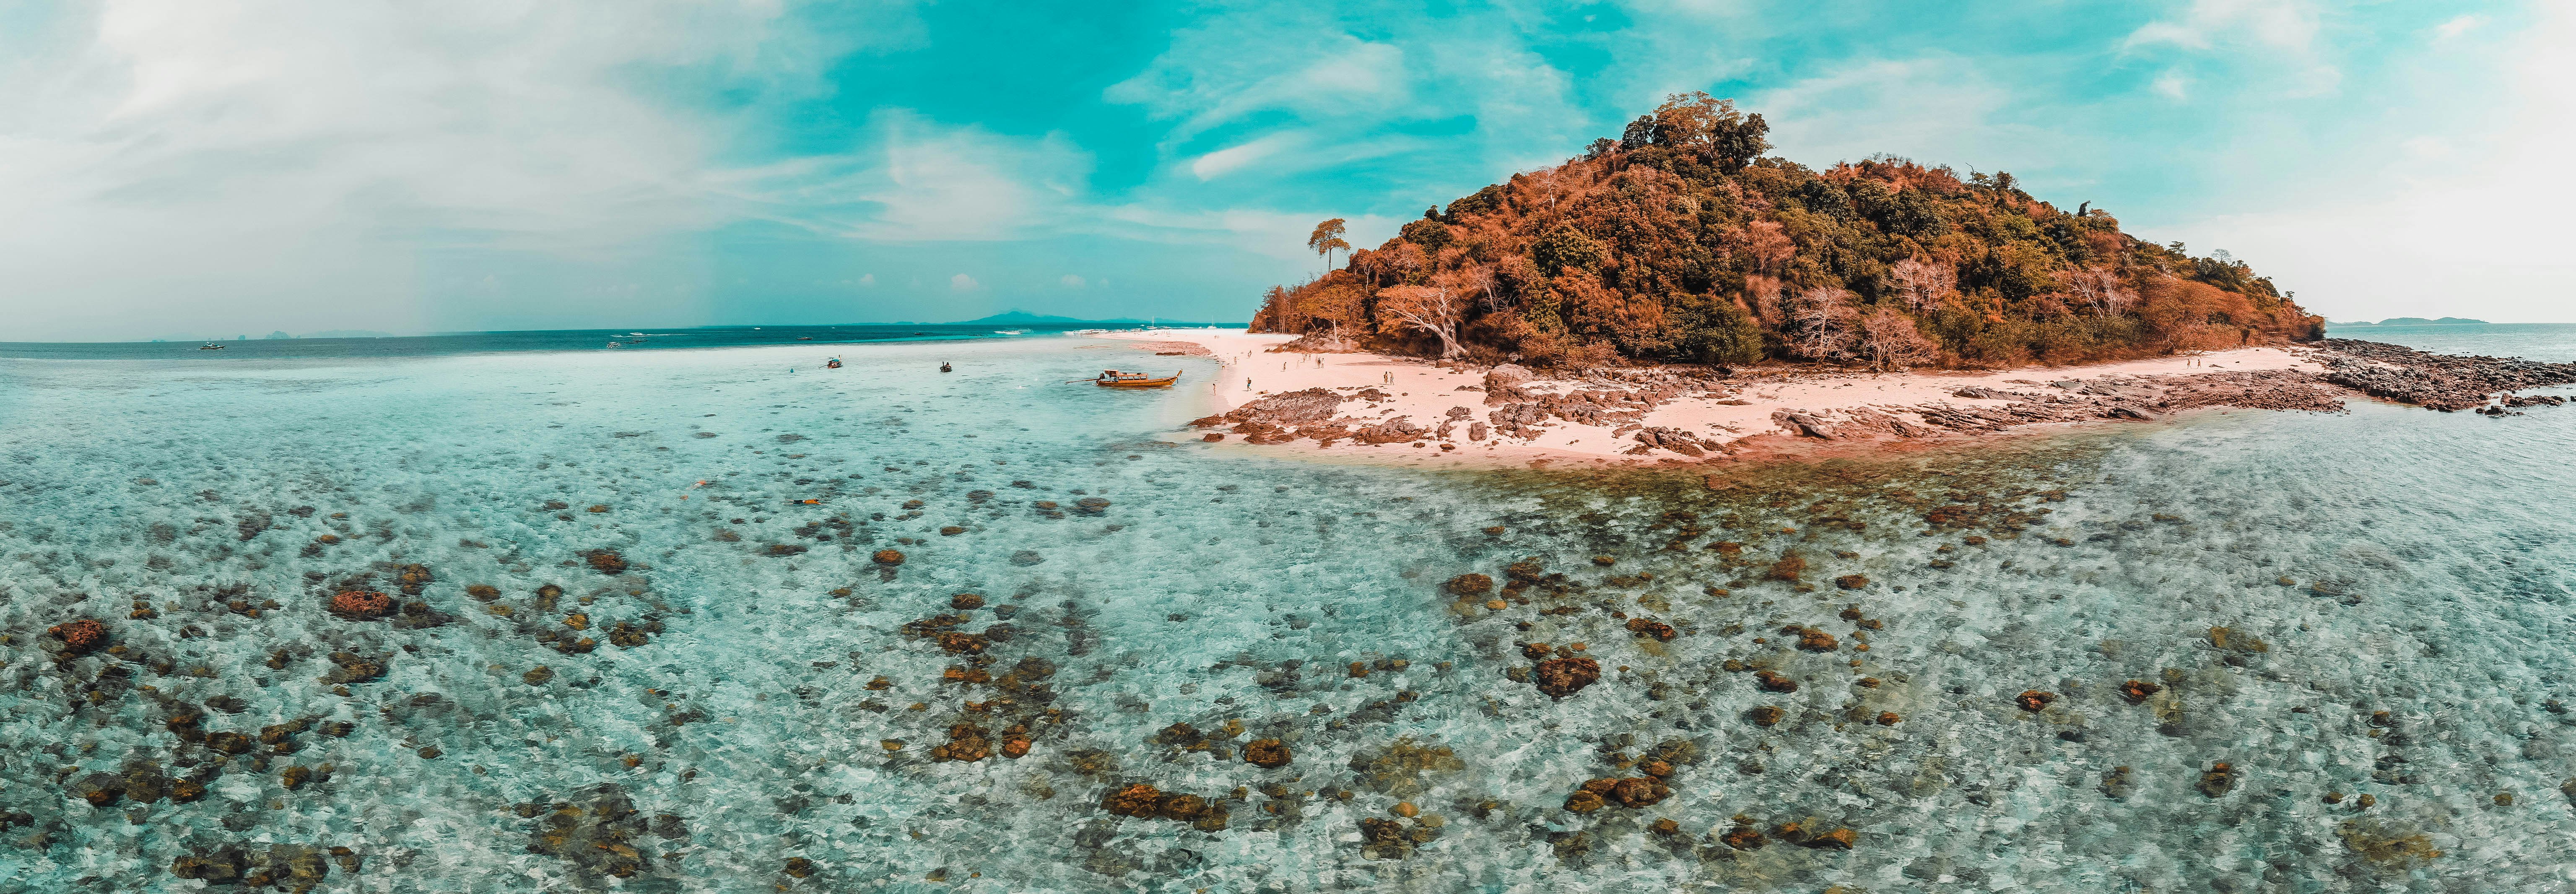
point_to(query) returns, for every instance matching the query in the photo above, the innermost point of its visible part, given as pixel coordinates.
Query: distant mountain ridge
(2420, 321)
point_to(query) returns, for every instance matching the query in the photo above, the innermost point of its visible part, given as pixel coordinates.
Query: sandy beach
(1752, 410)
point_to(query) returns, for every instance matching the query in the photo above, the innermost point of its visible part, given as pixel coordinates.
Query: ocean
(685, 620)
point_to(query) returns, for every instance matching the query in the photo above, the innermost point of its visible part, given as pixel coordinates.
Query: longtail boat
(1110, 378)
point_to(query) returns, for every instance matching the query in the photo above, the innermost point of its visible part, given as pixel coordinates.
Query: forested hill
(1682, 242)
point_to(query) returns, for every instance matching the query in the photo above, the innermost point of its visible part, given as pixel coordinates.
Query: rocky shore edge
(1622, 399)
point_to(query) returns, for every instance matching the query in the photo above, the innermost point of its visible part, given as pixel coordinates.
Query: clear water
(2426, 555)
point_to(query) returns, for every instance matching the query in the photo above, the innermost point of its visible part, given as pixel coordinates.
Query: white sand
(1425, 392)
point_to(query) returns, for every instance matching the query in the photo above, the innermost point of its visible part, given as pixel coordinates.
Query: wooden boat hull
(1164, 382)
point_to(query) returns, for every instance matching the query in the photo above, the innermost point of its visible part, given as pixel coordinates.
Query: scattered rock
(2034, 700)
(1470, 585)
(1649, 628)
(2218, 781)
(1811, 639)
(80, 637)
(361, 605)
(605, 561)
(594, 833)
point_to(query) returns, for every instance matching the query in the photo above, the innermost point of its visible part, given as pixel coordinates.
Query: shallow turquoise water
(2426, 555)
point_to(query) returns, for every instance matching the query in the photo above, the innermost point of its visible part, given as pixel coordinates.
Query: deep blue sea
(746, 697)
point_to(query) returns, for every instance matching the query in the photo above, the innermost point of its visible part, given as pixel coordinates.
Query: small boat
(611, 345)
(1110, 378)
(834, 363)
(944, 368)
(210, 346)
(804, 338)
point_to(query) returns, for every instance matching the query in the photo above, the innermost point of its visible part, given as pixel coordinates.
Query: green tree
(1565, 247)
(1431, 234)
(1713, 330)
(1740, 142)
(1326, 238)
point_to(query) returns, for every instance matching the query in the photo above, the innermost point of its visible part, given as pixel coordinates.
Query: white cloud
(2458, 26)
(1209, 79)
(1071, 281)
(2480, 234)
(1232, 158)
(2288, 24)
(868, 281)
(1937, 109)
(963, 283)
(317, 165)
(2172, 86)
(2282, 31)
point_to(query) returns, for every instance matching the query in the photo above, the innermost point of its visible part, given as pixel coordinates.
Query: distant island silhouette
(1017, 317)
(2420, 321)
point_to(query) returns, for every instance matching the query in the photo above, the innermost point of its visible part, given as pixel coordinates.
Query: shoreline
(1384, 409)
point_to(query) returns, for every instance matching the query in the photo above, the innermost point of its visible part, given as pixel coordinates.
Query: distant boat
(804, 338)
(210, 346)
(612, 344)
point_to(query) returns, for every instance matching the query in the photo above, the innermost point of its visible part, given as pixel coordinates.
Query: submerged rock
(594, 833)
(1268, 754)
(1470, 585)
(2220, 779)
(1561, 677)
(80, 637)
(605, 561)
(1650, 628)
(361, 605)
(294, 867)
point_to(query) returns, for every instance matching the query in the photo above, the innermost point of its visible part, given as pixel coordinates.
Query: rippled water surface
(2369, 604)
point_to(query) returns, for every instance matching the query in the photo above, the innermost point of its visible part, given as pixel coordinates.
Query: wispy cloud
(2285, 30)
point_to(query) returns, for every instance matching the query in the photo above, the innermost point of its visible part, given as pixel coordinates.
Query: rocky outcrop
(2438, 381)
(1503, 384)
(1673, 439)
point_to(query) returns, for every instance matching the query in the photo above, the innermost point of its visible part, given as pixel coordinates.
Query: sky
(214, 168)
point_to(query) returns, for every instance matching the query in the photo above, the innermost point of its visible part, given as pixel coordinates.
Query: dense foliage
(1682, 242)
